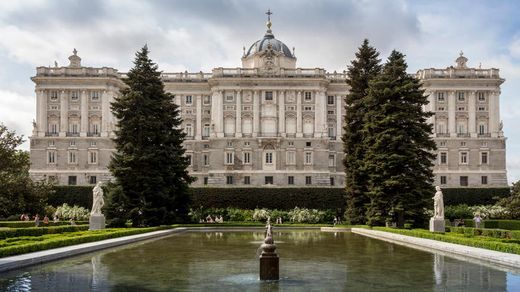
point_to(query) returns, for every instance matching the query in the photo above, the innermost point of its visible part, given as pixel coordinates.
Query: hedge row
(277, 198)
(38, 231)
(488, 232)
(27, 224)
(503, 224)
(492, 244)
(91, 236)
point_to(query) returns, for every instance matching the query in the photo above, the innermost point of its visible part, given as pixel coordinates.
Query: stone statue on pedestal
(437, 221)
(97, 219)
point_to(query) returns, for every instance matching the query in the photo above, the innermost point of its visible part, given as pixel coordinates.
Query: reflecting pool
(228, 261)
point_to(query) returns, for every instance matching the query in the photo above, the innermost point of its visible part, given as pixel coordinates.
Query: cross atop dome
(269, 24)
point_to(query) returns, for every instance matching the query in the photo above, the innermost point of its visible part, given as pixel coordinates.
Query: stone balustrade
(81, 71)
(458, 73)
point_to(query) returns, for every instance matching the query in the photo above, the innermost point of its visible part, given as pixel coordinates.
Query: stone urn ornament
(437, 221)
(97, 219)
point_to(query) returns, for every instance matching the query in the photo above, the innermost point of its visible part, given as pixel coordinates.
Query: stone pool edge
(40, 257)
(506, 260)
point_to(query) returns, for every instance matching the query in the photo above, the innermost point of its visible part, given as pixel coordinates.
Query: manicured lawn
(487, 242)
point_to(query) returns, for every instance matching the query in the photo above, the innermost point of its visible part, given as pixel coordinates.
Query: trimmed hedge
(474, 196)
(503, 224)
(277, 198)
(488, 232)
(27, 224)
(71, 239)
(270, 198)
(488, 243)
(38, 231)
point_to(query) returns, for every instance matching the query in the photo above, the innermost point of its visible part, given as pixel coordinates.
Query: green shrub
(473, 196)
(503, 224)
(458, 212)
(38, 231)
(72, 195)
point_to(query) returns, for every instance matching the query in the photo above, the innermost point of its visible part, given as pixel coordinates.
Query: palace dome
(269, 39)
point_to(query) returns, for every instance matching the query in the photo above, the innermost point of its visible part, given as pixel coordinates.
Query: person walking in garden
(37, 220)
(477, 219)
(46, 220)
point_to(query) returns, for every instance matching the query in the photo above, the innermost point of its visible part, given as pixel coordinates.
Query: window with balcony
(94, 95)
(74, 95)
(205, 131)
(188, 99)
(269, 157)
(54, 95)
(440, 96)
(481, 97)
(307, 95)
(461, 96)
(330, 100)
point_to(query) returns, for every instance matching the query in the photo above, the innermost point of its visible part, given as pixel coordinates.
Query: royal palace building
(267, 122)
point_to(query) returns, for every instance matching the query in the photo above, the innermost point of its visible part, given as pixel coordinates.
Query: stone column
(472, 128)
(451, 114)
(299, 133)
(84, 114)
(198, 130)
(281, 113)
(219, 125)
(64, 113)
(432, 108)
(339, 118)
(494, 115)
(105, 111)
(41, 113)
(238, 119)
(256, 113)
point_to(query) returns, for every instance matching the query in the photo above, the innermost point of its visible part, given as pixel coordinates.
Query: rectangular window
(443, 180)
(94, 95)
(443, 158)
(463, 157)
(308, 180)
(72, 143)
(93, 144)
(269, 180)
(74, 95)
(463, 181)
(205, 131)
(332, 132)
(330, 112)
(247, 157)
(441, 108)
(230, 158)
(290, 180)
(229, 98)
(269, 158)
(481, 129)
(51, 157)
(483, 158)
(481, 96)
(440, 96)
(229, 180)
(291, 158)
(189, 99)
(484, 180)
(247, 180)
(481, 108)
(205, 180)
(461, 108)
(308, 158)
(308, 95)
(72, 180)
(72, 157)
(92, 157)
(206, 99)
(332, 160)
(330, 100)
(189, 130)
(331, 181)
(206, 160)
(92, 180)
(268, 95)
(54, 95)
(460, 96)
(307, 108)
(308, 144)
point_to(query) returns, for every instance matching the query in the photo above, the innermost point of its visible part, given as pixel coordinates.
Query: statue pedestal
(96, 222)
(437, 225)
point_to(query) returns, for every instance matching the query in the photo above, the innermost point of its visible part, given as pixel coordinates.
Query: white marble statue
(97, 200)
(438, 204)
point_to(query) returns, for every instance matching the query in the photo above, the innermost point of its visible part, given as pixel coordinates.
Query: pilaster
(472, 123)
(339, 118)
(238, 120)
(84, 115)
(41, 113)
(104, 113)
(64, 113)
(299, 133)
(198, 130)
(281, 113)
(451, 114)
(256, 113)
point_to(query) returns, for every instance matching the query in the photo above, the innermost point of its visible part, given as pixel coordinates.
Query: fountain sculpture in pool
(269, 262)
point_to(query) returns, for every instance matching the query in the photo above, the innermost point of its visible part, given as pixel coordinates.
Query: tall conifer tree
(149, 166)
(364, 68)
(399, 149)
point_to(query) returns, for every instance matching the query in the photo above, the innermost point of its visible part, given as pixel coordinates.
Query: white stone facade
(265, 123)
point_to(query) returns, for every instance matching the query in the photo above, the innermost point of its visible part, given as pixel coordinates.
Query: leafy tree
(149, 165)
(364, 68)
(512, 203)
(18, 193)
(399, 150)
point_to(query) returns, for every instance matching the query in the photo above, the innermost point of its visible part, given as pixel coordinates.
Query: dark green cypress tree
(364, 68)
(399, 149)
(149, 165)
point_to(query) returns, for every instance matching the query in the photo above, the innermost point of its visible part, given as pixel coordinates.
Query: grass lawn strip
(496, 244)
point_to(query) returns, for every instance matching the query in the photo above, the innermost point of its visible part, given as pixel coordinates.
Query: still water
(228, 261)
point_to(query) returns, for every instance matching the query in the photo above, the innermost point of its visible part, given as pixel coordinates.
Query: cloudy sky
(201, 35)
